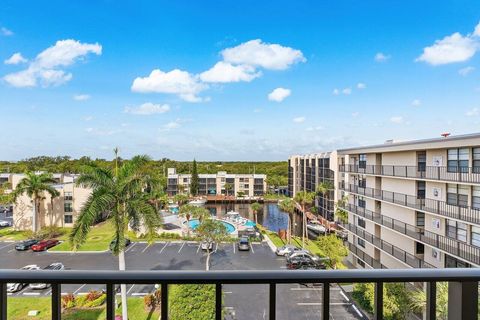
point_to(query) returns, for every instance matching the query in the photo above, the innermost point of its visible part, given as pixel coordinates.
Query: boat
(316, 227)
(198, 202)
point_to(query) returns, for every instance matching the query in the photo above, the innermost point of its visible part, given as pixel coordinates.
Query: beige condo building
(413, 204)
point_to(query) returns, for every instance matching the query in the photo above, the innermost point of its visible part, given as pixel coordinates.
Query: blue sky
(77, 77)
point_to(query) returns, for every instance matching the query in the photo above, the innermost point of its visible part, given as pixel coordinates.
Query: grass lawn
(10, 234)
(296, 241)
(98, 239)
(19, 307)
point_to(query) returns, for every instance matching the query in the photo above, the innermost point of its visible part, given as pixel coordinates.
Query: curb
(77, 251)
(270, 243)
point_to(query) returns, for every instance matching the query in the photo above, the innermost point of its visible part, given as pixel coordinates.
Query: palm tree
(35, 186)
(118, 193)
(228, 188)
(255, 208)
(419, 300)
(211, 231)
(304, 198)
(189, 212)
(180, 199)
(288, 205)
(340, 212)
(324, 189)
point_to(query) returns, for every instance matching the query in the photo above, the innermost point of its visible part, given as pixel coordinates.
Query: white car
(14, 287)
(286, 250)
(206, 246)
(53, 266)
(4, 223)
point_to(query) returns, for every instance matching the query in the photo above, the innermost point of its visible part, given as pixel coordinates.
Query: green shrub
(93, 295)
(68, 301)
(192, 302)
(97, 302)
(80, 301)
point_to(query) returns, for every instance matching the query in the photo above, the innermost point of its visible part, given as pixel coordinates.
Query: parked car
(14, 287)
(25, 245)
(112, 244)
(286, 250)
(206, 246)
(304, 263)
(302, 254)
(243, 244)
(45, 245)
(54, 266)
(4, 223)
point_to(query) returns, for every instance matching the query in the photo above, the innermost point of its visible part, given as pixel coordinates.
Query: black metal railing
(374, 263)
(451, 174)
(463, 285)
(467, 214)
(452, 246)
(389, 248)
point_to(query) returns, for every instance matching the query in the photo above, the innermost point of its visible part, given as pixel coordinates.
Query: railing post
(326, 301)
(431, 309)
(56, 302)
(462, 300)
(218, 301)
(110, 301)
(3, 301)
(378, 312)
(272, 301)
(164, 304)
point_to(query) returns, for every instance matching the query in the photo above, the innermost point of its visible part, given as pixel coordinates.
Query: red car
(45, 244)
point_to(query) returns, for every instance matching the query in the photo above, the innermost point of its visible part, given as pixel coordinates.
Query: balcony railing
(462, 295)
(375, 264)
(467, 214)
(451, 174)
(455, 247)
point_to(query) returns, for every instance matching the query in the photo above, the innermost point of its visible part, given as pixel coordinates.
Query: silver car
(286, 250)
(14, 287)
(243, 244)
(4, 223)
(53, 266)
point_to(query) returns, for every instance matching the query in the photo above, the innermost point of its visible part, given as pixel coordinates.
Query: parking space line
(181, 247)
(8, 245)
(198, 249)
(139, 294)
(345, 296)
(48, 292)
(133, 245)
(233, 248)
(357, 311)
(306, 289)
(128, 292)
(166, 244)
(148, 246)
(76, 291)
(319, 304)
(253, 251)
(31, 293)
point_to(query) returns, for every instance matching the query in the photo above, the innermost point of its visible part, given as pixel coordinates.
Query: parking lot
(241, 301)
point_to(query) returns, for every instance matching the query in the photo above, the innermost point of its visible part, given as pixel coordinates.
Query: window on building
(361, 242)
(451, 262)
(362, 182)
(476, 197)
(361, 263)
(420, 219)
(422, 161)
(476, 160)
(361, 222)
(421, 186)
(458, 160)
(362, 161)
(419, 248)
(361, 202)
(457, 230)
(475, 236)
(68, 218)
(67, 207)
(457, 195)
(68, 196)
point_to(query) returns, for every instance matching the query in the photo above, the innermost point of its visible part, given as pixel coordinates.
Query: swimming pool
(230, 228)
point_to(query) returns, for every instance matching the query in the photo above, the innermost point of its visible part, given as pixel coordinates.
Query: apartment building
(306, 172)
(413, 204)
(221, 183)
(61, 211)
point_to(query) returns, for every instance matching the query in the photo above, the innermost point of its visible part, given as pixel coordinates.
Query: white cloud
(465, 71)
(476, 32)
(336, 92)
(416, 102)
(178, 82)
(5, 32)
(473, 112)
(81, 97)
(259, 54)
(101, 132)
(45, 69)
(148, 109)
(224, 72)
(361, 85)
(279, 94)
(347, 91)
(397, 119)
(16, 58)
(381, 57)
(171, 125)
(317, 128)
(299, 119)
(88, 118)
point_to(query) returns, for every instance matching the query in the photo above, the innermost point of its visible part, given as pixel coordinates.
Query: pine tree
(194, 182)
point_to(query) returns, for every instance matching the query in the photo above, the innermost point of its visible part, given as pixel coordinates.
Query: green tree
(255, 208)
(194, 182)
(211, 231)
(419, 301)
(333, 248)
(288, 205)
(36, 186)
(119, 194)
(180, 199)
(5, 198)
(340, 213)
(189, 212)
(191, 302)
(228, 188)
(304, 198)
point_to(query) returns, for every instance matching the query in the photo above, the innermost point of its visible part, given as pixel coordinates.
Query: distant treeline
(65, 164)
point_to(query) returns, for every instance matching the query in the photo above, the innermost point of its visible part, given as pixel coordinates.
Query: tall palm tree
(304, 198)
(119, 193)
(288, 205)
(36, 186)
(189, 212)
(228, 188)
(255, 208)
